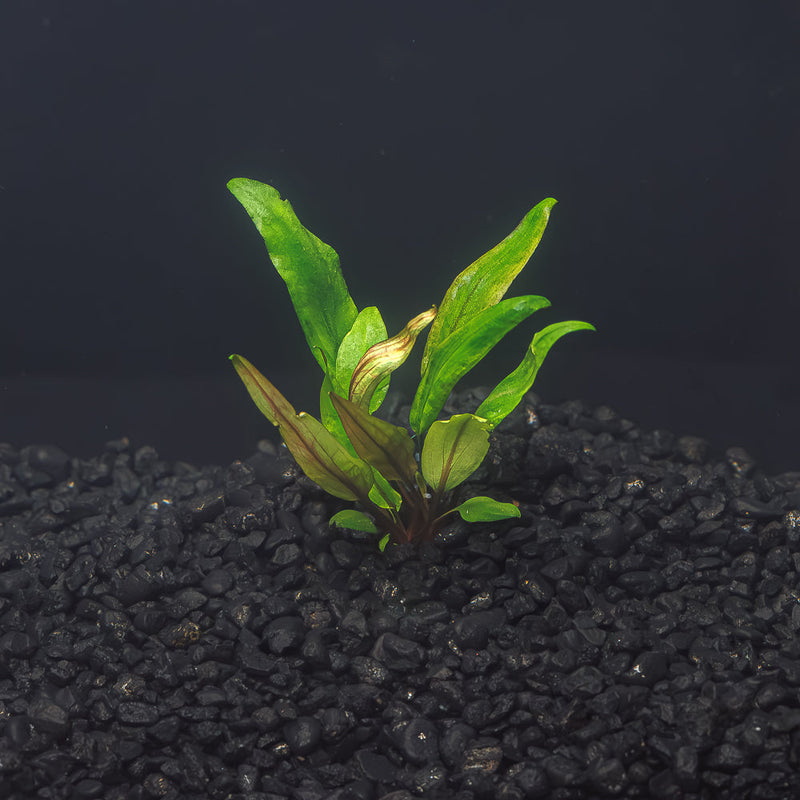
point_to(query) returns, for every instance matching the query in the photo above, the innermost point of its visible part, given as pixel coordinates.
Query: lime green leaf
(462, 350)
(505, 397)
(383, 494)
(309, 267)
(320, 456)
(383, 542)
(384, 358)
(329, 417)
(485, 282)
(484, 509)
(384, 446)
(453, 450)
(354, 521)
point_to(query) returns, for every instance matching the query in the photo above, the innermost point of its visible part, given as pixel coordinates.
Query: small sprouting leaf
(325, 460)
(453, 450)
(384, 446)
(484, 509)
(505, 397)
(384, 358)
(354, 520)
(462, 350)
(485, 282)
(383, 542)
(309, 267)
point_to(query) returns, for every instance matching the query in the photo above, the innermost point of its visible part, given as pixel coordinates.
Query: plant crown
(402, 482)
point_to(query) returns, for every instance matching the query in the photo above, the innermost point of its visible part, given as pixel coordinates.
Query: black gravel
(174, 632)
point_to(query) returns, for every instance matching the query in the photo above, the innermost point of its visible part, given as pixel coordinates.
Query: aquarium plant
(402, 478)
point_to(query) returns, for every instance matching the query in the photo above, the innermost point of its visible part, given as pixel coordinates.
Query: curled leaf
(384, 358)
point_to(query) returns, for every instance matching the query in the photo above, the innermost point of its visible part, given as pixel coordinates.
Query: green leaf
(384, 446)
(484, 509)
(309, 267)
(462, 350)
(329, 417)
(505, 397)
(383, 494)
(484, 283)
(354, 521)
(384, 358)
(318, 453)
(368, 329)
(453, 450)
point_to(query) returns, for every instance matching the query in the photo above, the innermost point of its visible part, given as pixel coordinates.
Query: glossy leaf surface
(505, 397)
(309, 267)
(485, 282)
(326, 461)
(462, 350)
(453, 450)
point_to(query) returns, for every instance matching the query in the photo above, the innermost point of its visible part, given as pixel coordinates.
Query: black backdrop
(411, 137)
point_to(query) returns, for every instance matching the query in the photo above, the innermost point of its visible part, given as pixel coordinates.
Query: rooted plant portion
(170, 632)
(401, 474)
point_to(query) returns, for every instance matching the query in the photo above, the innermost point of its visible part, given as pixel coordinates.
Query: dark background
(412, 137)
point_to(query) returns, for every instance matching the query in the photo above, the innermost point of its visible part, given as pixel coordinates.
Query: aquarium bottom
(172, 632)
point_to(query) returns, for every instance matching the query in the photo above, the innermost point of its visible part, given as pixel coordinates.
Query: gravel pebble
(169, 631)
